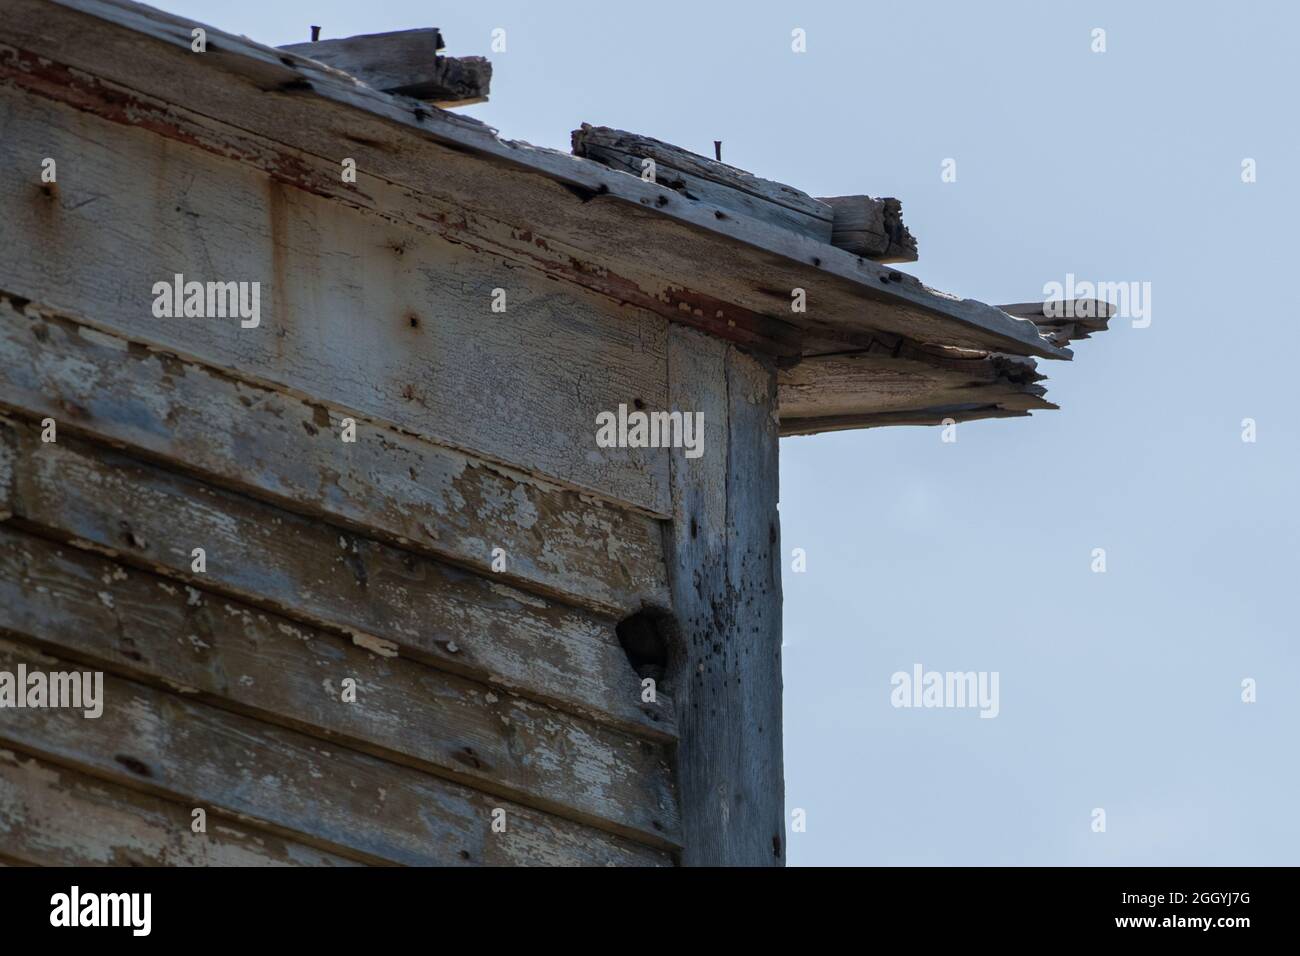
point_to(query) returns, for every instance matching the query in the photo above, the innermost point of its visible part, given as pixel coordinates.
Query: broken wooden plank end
(871, 228)
(405, 62)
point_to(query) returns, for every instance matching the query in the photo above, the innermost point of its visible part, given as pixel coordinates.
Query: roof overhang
(570, 217)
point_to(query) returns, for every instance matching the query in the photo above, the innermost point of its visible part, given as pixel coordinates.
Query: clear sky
(1119, 690)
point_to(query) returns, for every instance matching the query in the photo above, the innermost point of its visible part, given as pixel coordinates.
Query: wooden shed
(414, 490)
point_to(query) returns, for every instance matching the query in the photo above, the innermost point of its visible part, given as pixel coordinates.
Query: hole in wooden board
(645, 639)
(133, 764)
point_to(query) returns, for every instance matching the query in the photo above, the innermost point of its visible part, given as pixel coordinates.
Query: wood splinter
(871, 228)
(406, 62)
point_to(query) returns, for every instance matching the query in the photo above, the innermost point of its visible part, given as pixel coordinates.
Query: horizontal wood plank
(1064, 320)
(96, 611)
(287, 449)
(53, 816)
(382, 596)
(335, 798)
(942, 415)
(355, 311)
(702, 179)
(878, 387)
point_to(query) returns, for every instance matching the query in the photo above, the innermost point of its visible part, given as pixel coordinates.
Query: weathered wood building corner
(414, 490)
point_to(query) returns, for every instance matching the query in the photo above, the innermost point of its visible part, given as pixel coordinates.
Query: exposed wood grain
(355, 311)
(700, 178)
(8, 459)
(287, 450)
(134, 623)
(879, 387)
(726, 671)
(941, 415)
(335, 798)
(380, 60)
(53, 816)
(1064, 321)
(310, 571)
(871, 227)
(405, 62)
(679, 245)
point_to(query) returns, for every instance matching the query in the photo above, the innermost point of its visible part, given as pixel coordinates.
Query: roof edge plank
(700, 178)
(760, 263)
(872, 228)
(404, 62)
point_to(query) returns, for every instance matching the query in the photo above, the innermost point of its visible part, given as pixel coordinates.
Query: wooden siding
(286, 450)
(371, 318)
(380, 595)
(325, 560)
(60, 817)
(478, 691)
(279, 670)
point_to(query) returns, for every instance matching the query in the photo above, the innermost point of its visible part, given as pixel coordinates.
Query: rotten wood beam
(871, 228)
(407, 62)
(905, 385)
(707, 180)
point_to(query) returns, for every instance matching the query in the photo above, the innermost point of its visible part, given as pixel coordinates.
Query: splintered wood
(867, 227)
(406, 62)
(872, 228)
(697, 177)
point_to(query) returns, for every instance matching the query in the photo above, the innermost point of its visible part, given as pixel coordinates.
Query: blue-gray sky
(1119, 690)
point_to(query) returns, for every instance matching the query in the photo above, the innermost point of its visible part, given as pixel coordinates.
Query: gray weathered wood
(406, 62)
(319, 792)
(287, 450)
(699, 178)
(682, 250)
(940, 415)
(725, 576)
(305, 569)
(355, 311)
(1064, 321)
(879, 387)
(53, 816)
(141, 625)
(871, 227)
